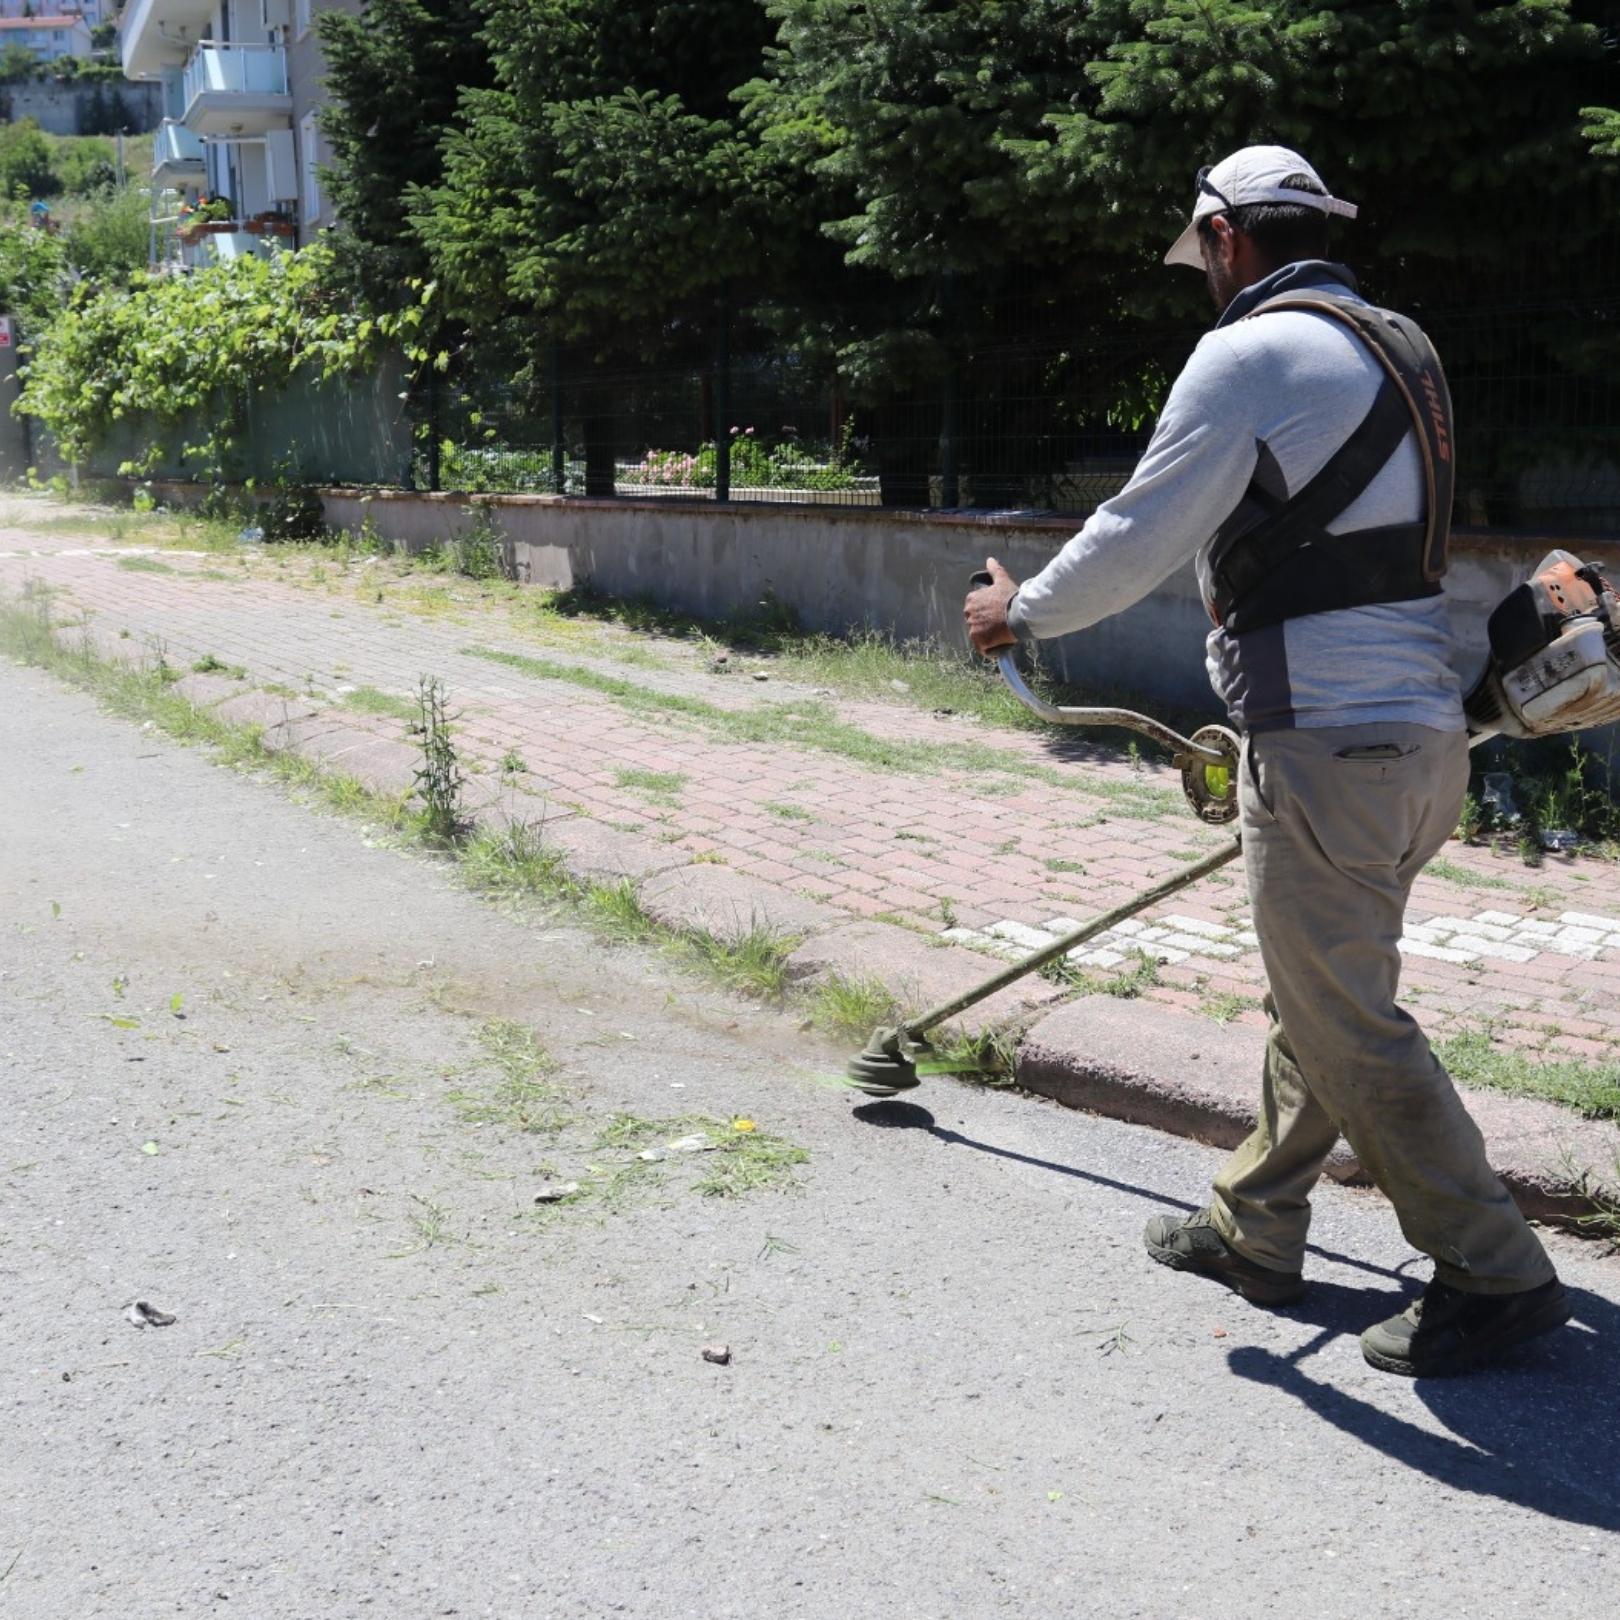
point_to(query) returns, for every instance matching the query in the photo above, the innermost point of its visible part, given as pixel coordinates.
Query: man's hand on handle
(986, 611)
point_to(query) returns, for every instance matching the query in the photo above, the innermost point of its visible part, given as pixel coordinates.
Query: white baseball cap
(1253, 175)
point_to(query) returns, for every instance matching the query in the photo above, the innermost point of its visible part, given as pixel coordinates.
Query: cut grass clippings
(735, 1157)
(522, 1096)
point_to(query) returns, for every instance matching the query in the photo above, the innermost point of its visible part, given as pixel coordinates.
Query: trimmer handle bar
(1212, 795)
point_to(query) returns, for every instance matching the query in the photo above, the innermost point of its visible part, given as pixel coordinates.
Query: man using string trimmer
(1304, 457)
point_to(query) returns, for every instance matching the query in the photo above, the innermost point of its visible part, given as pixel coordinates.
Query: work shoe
(1194, 1244)
(1448, 1331)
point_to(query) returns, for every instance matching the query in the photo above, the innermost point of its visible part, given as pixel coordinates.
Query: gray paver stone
(594, 851)
(383, 766)
(516, 806)
(204, 691)
(728, 904)
(262, 709)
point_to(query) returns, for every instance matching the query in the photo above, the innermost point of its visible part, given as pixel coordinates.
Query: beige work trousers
(1337, 824)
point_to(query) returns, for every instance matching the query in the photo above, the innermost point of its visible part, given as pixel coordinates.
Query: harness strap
(1274, 559)
(1301, 521)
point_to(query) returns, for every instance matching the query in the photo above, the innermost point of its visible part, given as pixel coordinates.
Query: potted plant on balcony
(208, 216)
(272, 222)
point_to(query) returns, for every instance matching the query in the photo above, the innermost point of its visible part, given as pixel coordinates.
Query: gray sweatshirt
(1280, 393)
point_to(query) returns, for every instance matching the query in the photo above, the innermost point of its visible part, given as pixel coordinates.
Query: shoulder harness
(1273, 559)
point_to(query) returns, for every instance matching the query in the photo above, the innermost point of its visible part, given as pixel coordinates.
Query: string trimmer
(1208, 764)
(1553, 666)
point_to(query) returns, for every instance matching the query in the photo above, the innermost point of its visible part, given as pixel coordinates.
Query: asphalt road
(249, 1080)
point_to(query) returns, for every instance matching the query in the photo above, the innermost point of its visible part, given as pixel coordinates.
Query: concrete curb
(1189, 1076)
(1145, 1063)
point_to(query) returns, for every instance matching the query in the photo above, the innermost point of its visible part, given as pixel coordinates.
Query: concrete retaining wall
(901, 572)
(56, 108)
(837, 569)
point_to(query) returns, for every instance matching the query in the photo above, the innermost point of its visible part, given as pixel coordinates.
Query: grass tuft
(368, 700)
(514, 860)
(1474, 1059)
(1452, 872)
(1226, 1005)
(989, 1056)
(1125, 983)
(851, 1006)
(616, 909)
(659, 786)
(753, 963)
(807, 723)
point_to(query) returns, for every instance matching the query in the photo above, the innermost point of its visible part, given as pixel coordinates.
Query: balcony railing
(239, 70)
(175, 149)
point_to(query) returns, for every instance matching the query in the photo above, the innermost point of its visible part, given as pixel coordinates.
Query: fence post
(722, 403)
(559, 470)
(949, 482)
(435, 434)
(14, 430)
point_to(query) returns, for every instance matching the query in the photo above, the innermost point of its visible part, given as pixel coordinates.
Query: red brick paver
(1059, 829)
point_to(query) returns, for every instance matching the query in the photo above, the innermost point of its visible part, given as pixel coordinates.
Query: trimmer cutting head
(886, 1065)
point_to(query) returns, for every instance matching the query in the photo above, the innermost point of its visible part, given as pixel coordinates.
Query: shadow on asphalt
(909, 1116)
(1541, 1430)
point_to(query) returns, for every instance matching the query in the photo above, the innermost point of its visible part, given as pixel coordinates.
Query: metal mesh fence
(1036, 422)
(1011, 425)
(1024, 402)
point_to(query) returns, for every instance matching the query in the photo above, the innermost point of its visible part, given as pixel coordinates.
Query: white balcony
(217, 244)
(236, 90)
(227, 245)
(155, 34)
(177, 156)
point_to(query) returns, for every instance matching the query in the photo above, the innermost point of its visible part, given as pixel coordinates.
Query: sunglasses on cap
(1205, 188)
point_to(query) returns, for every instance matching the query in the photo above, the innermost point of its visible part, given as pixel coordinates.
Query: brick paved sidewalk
(641, 759)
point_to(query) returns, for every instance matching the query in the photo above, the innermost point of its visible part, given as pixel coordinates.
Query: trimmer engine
(1554, 663)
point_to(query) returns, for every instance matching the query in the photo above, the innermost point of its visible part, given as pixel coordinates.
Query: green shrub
(169, 347)
(33, 271)
(25, 161)
(108, 236)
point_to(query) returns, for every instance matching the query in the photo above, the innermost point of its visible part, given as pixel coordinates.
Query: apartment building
(236, 157)
(50, 37)
(94, 12)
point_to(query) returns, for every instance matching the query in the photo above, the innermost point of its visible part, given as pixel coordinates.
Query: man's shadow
(1540, 1430)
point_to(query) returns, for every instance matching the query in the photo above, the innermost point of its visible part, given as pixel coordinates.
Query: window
(303, 10)
(310, 140)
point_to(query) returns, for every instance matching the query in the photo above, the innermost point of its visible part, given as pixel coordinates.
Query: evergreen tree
(1455, 127)
(604, 181)
(395, 74)
(908, 114)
